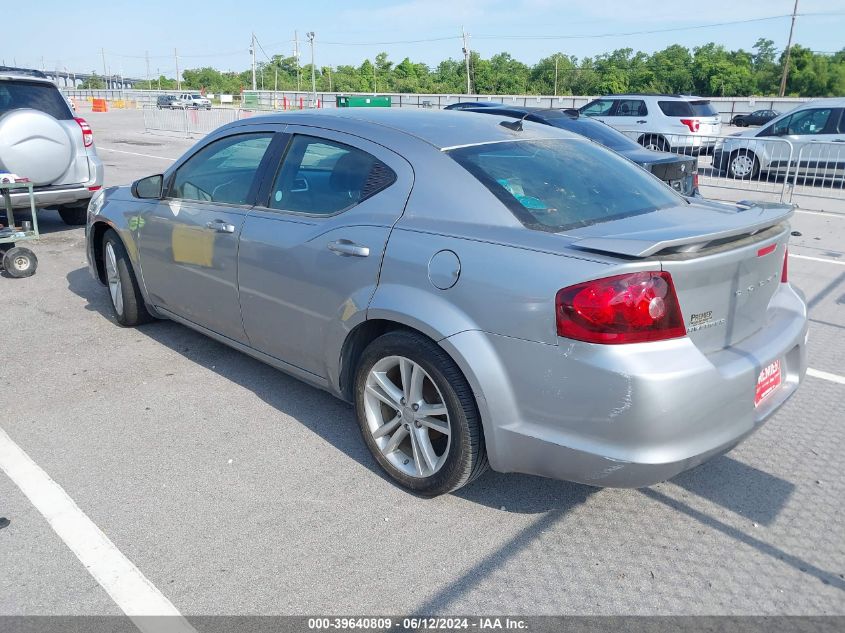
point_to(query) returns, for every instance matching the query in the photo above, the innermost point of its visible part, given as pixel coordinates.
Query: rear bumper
(628, 415)
(64, 194)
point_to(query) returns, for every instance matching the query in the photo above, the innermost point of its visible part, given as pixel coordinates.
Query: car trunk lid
(725, 261)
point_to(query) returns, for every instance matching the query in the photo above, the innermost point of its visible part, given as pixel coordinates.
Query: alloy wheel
(113, 279)
(407, 416)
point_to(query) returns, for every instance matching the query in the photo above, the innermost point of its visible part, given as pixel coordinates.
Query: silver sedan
(483, 292)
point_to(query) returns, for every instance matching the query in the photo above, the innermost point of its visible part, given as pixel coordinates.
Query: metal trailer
(17, 261)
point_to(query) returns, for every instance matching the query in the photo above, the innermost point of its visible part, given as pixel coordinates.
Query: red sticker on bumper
(767, 382)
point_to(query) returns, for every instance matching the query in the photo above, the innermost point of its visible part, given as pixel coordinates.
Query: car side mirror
(149, 187)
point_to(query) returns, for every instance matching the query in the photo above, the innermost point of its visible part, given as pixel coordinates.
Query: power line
(651, 31)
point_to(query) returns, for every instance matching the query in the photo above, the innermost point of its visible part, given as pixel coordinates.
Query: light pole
(310, 35)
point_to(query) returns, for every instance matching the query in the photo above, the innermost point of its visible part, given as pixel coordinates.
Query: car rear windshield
(701, 107)
(45, 97)
(559, 184)
(597, 131)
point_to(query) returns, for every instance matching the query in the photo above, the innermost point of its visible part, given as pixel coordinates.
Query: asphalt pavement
(235, 489)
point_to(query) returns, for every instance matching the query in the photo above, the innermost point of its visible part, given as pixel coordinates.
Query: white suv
(193, 100)
(41, 139)
(660, 122)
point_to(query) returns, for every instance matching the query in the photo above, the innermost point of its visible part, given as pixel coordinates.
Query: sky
(217, 33)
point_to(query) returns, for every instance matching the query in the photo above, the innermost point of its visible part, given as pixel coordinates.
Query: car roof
(26, 74)
(655, 94)
(441, 128)
(834, 102)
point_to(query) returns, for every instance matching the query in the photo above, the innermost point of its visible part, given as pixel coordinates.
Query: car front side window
(222, 171)
(809, 121)
(600, 107)
(323, 177)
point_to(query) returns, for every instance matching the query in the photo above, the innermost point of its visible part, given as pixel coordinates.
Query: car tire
(430, 454)
(19, 262)
(73, 216)
(124, 292)
(743, 165)
(655, 143)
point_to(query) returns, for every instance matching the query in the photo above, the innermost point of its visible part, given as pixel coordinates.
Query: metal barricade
(746, 163)
(819, 171)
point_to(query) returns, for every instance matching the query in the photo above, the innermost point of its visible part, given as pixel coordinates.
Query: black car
(167, 101)
(468, 105)
(680, 172)
(758, 117)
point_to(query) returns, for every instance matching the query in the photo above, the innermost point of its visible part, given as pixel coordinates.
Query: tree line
(708, 70)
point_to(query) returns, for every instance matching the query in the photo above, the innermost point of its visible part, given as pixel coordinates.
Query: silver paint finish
(611, 415)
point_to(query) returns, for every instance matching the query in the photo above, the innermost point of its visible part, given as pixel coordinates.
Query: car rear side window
(703, 108)
(631, 107)
(323, 177)
(15, 94)
(675, 108)
(559, 184)
(222, 171)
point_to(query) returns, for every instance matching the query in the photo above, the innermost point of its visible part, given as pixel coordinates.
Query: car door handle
(348, 248)
(221, 226)
(642, 121)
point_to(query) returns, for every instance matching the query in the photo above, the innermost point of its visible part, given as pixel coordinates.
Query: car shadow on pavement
(48, 220)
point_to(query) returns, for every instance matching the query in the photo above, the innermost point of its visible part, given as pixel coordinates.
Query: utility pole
(252, 52)
(788, 51)
(105, 74)
(310, 36)
(330, 79)
(466, 58)
(296, 56)
(178, 76)
(556, 60)
(375, 85)
(158, 74)
(147, 57)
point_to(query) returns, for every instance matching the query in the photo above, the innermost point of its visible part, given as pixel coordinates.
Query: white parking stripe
(121, 151)
(824, 375)
(127, 586)
(818, 259)
(831, 214)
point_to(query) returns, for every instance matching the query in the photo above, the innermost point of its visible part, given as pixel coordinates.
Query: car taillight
(784, 273)
(692, 124)
(87, 133)
(630, 308)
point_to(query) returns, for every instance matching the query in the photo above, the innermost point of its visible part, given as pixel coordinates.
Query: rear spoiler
(736, 221)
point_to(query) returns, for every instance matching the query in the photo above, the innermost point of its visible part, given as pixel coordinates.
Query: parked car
(41, 139)
(808, 131)
(479, 292)
(758, 117)
(679, 172)
(193, 100)
(678, 123)
(168, 102)
(467, 105)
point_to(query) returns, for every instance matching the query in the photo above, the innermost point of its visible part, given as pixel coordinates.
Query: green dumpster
(357, 101)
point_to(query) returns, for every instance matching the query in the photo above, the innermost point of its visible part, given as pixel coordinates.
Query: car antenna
(516, 126)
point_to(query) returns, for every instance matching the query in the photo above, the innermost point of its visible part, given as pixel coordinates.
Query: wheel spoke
(377, 391)
(441, 426)
(395, 440)
(390, 390)
(406, 370)
(387, 427)
(414, 390)
(427, 409)
(423, 449)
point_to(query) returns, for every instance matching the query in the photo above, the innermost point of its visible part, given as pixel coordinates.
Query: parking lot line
(121, 151)
(126, 585)
(818, 259)
(825, 375)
